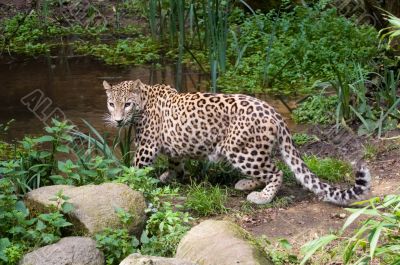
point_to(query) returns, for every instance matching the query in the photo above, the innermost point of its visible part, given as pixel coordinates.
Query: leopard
(239, 129)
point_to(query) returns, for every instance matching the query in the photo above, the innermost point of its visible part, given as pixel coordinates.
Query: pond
(72, 87)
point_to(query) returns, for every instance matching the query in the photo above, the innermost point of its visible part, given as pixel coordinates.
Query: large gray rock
(67, 251)
(94, 205)
(220, 243)
(137, 259)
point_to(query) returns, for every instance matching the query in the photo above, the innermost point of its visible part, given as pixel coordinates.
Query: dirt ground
(305, 218)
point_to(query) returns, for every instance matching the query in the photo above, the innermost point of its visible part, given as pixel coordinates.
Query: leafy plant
(124, 52)
(142, 180)
(312, 36)
(375, 241)
(279, 253)
(117, 243)
(353, 101)
(19, 232)
(393, 31)
(33, 165)
(370, 151)
(164, 230)
(317, 109)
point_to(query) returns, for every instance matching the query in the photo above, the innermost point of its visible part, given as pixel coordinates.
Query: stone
(94, 206)
(137, 259)
(215, 242)
(67, 251)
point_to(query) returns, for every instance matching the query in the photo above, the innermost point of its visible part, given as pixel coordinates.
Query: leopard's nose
(119, 122)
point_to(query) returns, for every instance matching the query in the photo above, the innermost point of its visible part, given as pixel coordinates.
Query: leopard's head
(123, 102)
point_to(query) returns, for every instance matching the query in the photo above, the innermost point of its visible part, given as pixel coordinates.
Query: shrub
(19, 232)
(287, 53)
(164, 230)
(316, 109)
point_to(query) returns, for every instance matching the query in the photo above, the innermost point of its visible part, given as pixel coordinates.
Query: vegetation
(330, 169)
(317, 109)
(303, 138)
(375, 241)
(288, 51)
(20, 231)
(348, 74)
(206, 200)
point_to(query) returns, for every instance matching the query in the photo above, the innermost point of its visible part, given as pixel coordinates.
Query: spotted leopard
(238, 128)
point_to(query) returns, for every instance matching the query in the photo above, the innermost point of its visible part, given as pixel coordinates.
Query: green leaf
(285, 244)
(44, 139)
(62, 149)
(353, 217)
(374, 239)
(135, 242)
(309, 248)
(144, 237)
(40, 225)
(67, 207)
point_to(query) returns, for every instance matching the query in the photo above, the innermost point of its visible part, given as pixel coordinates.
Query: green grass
(330, 169)
(370, 151)
(204, 199)
(303, 138)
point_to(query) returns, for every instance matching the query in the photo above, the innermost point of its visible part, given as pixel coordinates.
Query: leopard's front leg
(145, 155)
(175, 169)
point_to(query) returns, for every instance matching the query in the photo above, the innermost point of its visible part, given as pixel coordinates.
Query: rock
(137, 259)
(67, 251)
(220, 243)
(94, 205)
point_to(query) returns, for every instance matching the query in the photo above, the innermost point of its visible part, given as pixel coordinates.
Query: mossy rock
(94, 206)
(220, 242)
(67, 251)
(137, 259)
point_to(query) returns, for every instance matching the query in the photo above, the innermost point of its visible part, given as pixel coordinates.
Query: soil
(306, 218)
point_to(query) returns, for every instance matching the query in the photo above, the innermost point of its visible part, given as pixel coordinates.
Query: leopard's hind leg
(262, 172)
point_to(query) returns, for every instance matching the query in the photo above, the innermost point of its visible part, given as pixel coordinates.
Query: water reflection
(74, 84)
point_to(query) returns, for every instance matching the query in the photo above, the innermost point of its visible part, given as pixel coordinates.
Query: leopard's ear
(136, 85)
(106, 85)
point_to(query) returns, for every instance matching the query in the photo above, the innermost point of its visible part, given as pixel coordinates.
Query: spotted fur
(238, 128)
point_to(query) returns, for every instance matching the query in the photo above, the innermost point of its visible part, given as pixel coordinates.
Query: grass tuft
(330, 169)
(205, 200)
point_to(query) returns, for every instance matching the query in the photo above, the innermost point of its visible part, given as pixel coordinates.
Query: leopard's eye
(127, 104)
(111, 104)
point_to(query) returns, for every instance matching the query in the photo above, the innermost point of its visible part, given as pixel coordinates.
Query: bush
(164, 230)
(289, 52)
(20, 233)
(316, 110)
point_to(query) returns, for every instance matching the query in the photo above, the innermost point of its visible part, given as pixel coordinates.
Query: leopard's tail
(309, 180)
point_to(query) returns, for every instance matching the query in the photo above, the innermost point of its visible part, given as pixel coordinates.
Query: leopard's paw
(259, 197)
(248, 184)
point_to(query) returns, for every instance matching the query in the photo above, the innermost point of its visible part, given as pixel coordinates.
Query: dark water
(72, 88)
